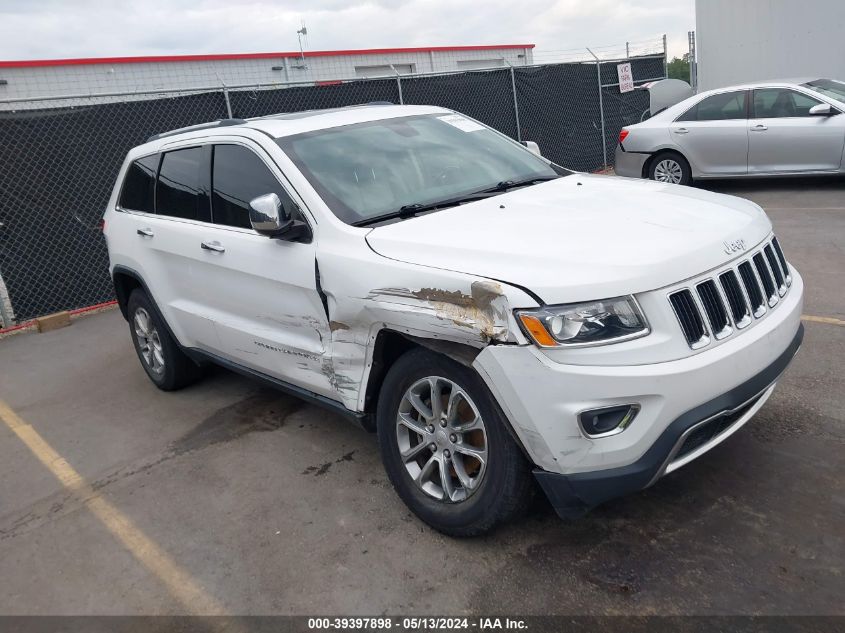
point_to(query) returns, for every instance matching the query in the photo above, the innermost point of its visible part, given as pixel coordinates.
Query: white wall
(83, 79)
(741, 41)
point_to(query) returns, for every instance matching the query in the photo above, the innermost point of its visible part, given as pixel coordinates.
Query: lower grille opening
(712, 429)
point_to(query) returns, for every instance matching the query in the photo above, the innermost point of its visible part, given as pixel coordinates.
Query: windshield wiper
(407, 211)
(505, 185)
(411, 210)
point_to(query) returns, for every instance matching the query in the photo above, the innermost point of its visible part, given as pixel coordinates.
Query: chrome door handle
(145, 232)
(217, 247)
(681, 130)
(759, 128)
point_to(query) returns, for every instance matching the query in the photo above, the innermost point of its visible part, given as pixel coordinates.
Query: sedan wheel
(668, 170)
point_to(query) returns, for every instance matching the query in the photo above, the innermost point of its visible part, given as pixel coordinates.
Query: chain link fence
(59, 157)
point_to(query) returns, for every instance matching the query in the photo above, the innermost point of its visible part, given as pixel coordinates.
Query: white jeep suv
(495, 318)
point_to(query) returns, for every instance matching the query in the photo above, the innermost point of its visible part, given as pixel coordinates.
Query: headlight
(581, 324)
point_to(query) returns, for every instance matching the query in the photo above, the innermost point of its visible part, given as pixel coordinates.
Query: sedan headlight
(582, 324)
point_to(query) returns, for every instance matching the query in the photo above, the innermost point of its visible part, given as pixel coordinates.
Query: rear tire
(465, 439)
(670, 167)
(165, 363)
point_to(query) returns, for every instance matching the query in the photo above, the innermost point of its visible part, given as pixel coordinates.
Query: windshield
(828, 88)
(367, 170)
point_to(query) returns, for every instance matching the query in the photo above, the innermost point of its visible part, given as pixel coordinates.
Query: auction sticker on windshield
(461, 122)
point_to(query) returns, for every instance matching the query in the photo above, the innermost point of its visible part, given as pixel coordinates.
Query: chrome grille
(740, 310)
(766, 278)
(690, 319)
(753, 289)
(715, 307)
(775, 266)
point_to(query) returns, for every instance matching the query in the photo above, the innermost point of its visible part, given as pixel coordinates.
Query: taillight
(623, 134)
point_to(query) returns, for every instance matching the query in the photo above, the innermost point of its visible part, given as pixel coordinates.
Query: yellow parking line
(818, 319)
(178, 582)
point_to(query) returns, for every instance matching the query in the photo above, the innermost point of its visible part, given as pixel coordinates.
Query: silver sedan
(767, 129)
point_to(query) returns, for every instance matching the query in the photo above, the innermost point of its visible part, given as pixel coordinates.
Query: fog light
(607, 420)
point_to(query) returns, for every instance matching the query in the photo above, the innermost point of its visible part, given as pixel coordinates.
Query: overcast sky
(39, 29)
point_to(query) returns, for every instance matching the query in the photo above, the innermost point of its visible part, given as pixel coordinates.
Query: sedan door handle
(759, 128)
(681, 130)
(217, 247)
(148, 232)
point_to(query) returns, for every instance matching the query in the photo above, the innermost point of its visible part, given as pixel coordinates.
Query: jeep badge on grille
(734, 247)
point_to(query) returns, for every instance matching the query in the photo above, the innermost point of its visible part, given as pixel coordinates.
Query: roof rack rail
(201, 126)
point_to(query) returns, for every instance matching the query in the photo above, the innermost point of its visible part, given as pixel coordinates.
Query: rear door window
(238, 176)
(182, 190)
(138, 192)
(721, 107)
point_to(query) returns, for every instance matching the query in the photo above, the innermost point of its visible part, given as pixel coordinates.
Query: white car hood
(580, 237)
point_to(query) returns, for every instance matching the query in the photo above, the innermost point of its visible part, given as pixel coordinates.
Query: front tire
(165, 363)
(670, 167)
(446, 447)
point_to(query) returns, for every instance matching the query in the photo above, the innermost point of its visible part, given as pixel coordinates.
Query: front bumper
(571, 495)
(629, 164)
(542, 398)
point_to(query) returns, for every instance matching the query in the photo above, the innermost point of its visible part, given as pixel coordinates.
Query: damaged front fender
(429, 305)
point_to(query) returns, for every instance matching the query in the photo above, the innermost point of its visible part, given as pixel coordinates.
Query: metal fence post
(693, 66)
(7, 314)
(398, 84)
(515, 106)
(601, 109)
(665, 58)
(228, 105)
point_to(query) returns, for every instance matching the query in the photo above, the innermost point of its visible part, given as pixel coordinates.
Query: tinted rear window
(182, 185)
(139, 185)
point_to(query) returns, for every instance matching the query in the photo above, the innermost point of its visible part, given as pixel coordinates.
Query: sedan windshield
(398, 167)
(828, 88)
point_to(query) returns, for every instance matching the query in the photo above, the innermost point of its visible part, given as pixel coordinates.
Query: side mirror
(533, 147)
(268, 216)
(822, 109)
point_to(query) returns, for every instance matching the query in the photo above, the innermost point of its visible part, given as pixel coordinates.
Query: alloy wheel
(442, 439)
(668, 170)
(149, 342)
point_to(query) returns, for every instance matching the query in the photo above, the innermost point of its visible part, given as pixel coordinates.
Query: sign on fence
(626, 77)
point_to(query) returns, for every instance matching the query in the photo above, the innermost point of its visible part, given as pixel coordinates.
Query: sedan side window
(182, 190)
(778, 103)
(720, 107)
(238, 176)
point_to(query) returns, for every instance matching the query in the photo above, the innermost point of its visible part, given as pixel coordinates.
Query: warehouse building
(740, 42)
(64, 77)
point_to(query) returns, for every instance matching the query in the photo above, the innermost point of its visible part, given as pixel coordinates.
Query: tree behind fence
(58, 164)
